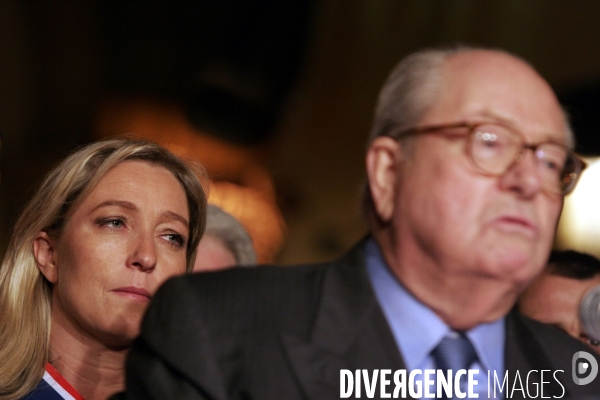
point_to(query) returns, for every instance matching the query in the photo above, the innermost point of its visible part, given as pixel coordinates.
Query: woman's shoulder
(53, 386)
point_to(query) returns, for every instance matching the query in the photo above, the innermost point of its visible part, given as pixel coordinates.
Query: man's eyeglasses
(494, 148)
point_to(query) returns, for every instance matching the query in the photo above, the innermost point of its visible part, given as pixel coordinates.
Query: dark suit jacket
(285, 333)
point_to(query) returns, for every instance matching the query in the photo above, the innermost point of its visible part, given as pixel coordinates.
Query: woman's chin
(120, 332)
(120, 340)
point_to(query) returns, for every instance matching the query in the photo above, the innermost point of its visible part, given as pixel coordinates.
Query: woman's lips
(133, 292)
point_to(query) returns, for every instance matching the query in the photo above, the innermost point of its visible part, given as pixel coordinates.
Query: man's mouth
(517, 224)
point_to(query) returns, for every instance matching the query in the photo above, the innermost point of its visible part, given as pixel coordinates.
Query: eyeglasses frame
(398, 134)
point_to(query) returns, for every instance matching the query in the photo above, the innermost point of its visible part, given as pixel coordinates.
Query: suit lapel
(349, 332)
(523, 354)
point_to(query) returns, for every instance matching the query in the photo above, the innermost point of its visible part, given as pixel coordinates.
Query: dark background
(295, 81)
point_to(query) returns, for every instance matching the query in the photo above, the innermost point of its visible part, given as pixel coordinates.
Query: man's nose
(523, 176)
(143, 255)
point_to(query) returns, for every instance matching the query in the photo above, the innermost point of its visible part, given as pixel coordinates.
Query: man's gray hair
(410, 90)
(230, 231)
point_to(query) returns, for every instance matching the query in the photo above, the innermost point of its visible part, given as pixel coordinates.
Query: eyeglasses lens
(495, 148)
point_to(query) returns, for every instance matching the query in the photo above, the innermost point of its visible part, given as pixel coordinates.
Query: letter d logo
(583, 367)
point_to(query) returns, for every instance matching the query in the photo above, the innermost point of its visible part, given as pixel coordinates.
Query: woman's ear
(44, 252)
(383, 166)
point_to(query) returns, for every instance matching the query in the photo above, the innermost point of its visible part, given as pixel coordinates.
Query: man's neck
(93, 369)
(462, 301)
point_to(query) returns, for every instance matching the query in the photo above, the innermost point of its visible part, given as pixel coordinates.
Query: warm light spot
(240, 185)
(256, 212)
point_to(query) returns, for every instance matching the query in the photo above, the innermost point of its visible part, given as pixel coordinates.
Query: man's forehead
(491, 85)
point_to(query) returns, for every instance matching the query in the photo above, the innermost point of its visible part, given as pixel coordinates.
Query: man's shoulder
(264, 281)
(264, 292)
(556, 341)
(221, 311)
(547, 347)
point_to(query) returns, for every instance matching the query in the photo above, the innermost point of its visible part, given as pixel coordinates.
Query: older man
(468, 162)
(225, 243)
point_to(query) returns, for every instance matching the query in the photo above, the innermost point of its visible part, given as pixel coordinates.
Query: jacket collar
(349, 331)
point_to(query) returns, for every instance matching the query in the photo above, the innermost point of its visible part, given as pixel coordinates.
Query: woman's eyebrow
(118, 203)
(174, 216)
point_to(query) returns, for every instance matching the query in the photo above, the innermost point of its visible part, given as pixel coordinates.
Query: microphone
(589, 313)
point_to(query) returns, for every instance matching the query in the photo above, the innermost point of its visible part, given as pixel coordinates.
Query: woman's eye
(115, 223)
(175, 239)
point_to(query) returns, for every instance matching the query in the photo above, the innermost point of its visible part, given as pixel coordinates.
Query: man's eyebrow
(116, 203)
(490, 114)
(175, 216)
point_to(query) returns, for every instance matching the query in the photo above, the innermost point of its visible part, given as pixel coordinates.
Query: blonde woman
(105, 229)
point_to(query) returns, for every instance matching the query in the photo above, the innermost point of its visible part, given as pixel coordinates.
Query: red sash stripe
(66, 386)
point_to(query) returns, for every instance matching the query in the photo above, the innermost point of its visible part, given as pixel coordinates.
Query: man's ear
(383, 166)
(44, 251)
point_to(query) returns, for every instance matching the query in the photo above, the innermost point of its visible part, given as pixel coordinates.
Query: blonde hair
(25, 295)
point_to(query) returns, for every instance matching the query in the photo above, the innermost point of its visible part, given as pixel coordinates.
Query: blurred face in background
(126, 237)
(555, 300)
(213, 255)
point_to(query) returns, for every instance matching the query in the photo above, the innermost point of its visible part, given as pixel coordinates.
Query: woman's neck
(93, 369)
